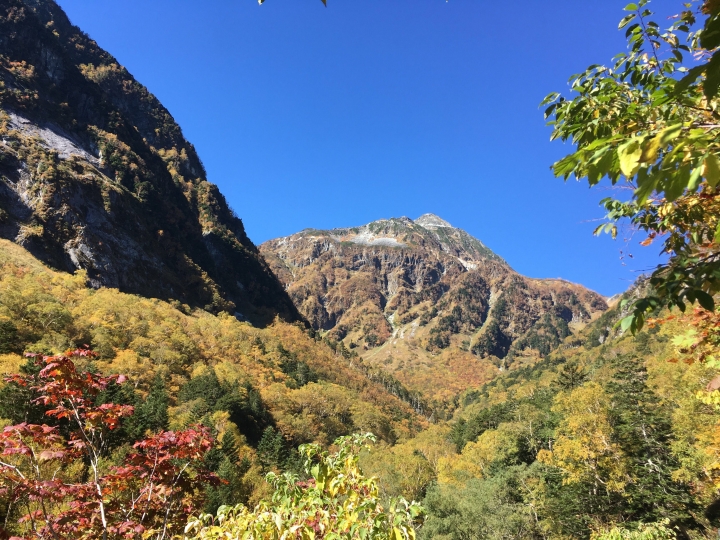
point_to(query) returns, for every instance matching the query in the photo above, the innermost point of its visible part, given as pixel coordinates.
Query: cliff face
(425, 300)
(96, 174)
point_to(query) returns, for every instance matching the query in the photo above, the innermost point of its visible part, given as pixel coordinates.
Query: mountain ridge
(95, 174)
(422, 296)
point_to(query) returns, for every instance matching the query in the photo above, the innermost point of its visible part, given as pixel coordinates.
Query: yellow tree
(584, 448)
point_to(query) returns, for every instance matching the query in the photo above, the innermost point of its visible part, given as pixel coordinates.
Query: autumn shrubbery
(64, 479)
(335, 501)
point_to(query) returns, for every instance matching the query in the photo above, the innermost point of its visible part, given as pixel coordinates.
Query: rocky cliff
(96, 174)
(426, 300)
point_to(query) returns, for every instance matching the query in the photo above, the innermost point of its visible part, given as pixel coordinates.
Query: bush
(336, 501)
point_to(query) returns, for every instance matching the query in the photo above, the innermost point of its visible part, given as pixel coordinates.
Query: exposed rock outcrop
(96, 174)
(418, 294)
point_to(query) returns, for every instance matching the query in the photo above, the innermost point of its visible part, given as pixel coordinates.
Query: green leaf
(627, 322)
(712, 170)
(646, 185)
(550, 97)
(705, 300)
(565, 166)
(712, 76)
(710, 36)
(631, 7)
(695, 179)
(684, 83)
(669, 133)
(626, 20)
(677, 182)
(717, 234)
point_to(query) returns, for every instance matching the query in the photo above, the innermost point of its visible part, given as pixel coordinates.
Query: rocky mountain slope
(426, 301)
(95, 174)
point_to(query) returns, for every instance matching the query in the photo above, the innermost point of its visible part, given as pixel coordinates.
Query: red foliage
(151, 494)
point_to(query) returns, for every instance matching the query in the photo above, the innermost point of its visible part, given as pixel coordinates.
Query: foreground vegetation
(606, 432)
(59, 480)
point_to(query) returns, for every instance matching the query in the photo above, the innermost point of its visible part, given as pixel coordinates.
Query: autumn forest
(165, 378)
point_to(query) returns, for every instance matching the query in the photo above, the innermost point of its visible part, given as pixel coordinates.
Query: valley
(161, 376)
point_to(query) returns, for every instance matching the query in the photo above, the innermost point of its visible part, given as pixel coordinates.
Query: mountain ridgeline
(95, 174)
(426, 300)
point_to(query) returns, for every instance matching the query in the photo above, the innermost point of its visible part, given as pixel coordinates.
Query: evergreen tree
(643, 430)
(571, 376)
(9, 340)
(231, 470)
(271, 449)
(152, 414)
(17, 402)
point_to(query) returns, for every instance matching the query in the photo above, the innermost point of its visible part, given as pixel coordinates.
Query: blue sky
(307, 116)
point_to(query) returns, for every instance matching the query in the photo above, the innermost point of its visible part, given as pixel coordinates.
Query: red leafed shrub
(58, 478)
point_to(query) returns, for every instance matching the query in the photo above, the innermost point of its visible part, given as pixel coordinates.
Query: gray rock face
(431, 221)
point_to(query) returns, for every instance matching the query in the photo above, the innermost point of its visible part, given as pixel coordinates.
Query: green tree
(493, 508)
(642, 429)
(18, 401)
(232, 489)
(271, 449)
(152, 413)
(9, 340)
(571, 376)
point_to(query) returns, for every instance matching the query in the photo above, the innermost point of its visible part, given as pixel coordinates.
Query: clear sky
(307, 116)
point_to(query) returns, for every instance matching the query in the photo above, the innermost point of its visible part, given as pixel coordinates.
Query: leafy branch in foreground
(336, 502)
(651, 119)
(57, 482)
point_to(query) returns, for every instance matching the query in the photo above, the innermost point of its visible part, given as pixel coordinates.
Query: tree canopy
(649, 122)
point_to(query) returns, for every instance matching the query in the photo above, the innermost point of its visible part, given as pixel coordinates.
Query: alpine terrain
(426, 301)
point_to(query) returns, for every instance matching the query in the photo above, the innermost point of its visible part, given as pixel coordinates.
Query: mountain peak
(431, 221)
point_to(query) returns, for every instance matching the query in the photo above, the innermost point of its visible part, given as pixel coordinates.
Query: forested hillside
(426, 302)
(268, 390)
(605, 429)
(608, 429)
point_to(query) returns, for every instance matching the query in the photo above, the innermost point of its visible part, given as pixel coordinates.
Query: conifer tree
(571, 376)
(152, 413)
(9, 341)
(271, 449)
(17, 402)
(642, 429)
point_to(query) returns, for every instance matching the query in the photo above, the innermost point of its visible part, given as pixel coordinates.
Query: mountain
(95, 174)
(426, 301)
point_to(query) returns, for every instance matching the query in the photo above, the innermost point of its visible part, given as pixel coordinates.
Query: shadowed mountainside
(95, 174)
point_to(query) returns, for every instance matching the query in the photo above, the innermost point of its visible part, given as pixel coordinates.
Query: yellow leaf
(711, 170)
(650, 149)
(629, 155)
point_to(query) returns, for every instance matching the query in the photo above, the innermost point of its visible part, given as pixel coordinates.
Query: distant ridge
(426, 300)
